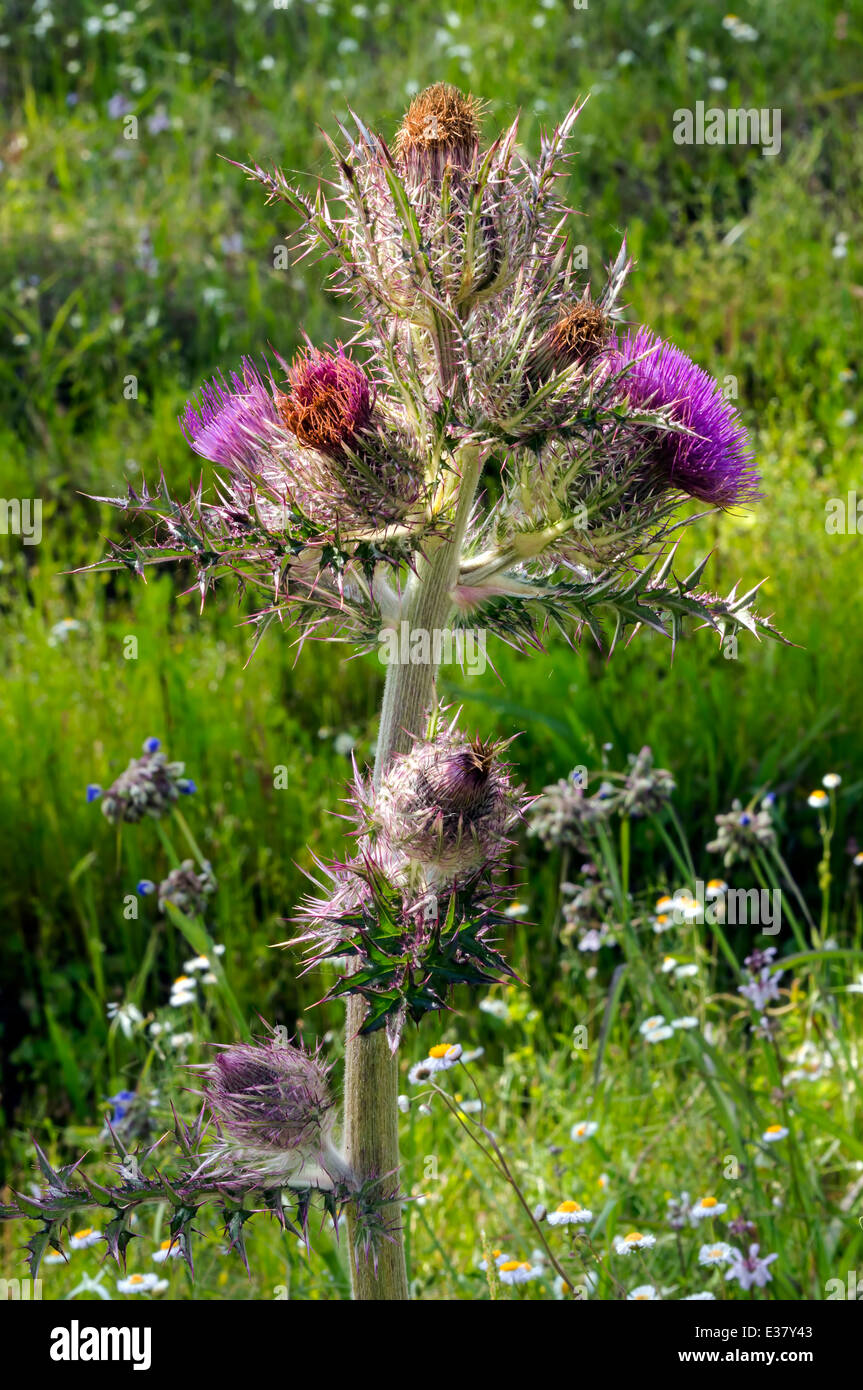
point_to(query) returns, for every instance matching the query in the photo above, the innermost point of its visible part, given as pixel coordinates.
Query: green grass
(114, 264)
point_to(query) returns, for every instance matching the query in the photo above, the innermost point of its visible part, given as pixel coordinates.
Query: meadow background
(151, 261)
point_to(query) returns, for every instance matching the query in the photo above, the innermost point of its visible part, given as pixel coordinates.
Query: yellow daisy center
(709, 1202)
(569, 1206)
(441, 1049)
(136, 1278)
(510, 1265)
(774, 1129)
(82, 1235)
(633, 1236)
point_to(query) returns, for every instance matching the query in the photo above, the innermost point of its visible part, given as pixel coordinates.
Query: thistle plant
(494, 448)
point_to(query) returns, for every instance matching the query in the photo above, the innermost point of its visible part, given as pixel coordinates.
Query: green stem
(371, 1070)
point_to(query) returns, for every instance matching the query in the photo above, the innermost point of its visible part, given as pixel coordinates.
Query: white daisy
(499, 1258)
(569, 1214)
(818, 799)
(699, 1298)
(585, 1129)
(706, 1207)
(718, 1254)
(82, 1240)
(645, 1293)
(141, 1283)
(649, 1024)
(831, 780)
(686, 1022)
(517, 1272)
(633, 1240)
(168, 1250)
(659, 1035)
(440, 1058)
(686, 972)
(773, 1134)
(715, 888)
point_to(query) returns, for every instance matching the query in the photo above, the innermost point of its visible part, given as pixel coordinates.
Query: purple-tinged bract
(714, 462)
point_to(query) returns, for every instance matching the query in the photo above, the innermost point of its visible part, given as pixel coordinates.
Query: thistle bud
(349, 464)
(578, 336)
(448, 804)
(148, 787)
(272, 1102)
(440, 128)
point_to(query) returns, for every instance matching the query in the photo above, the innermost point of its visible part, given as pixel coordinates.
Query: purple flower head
(148, 787)
(272, 1101)
(448, 803)
(715, 462)
(749, 1270)
(152, 745)
(227, 420)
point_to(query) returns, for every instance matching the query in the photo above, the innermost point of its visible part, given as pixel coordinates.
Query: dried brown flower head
(440, 127)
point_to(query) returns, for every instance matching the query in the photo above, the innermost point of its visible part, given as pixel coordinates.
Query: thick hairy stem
(371, 1071)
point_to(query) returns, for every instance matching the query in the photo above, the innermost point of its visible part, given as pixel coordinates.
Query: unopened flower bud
(272, 1102)
(448, 803)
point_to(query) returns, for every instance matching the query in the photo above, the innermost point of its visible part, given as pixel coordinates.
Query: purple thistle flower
(749, 1270)
(272, 1101)
(714, 464)
(227, 420)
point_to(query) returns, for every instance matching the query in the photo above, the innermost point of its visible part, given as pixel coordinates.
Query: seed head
(578, 336)
(440, 127)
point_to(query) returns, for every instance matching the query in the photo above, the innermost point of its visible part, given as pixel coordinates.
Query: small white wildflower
(773, 1134)
(517, 1272)
(718, 1254)
(82, 1240)
(706, 1207)
(569, 1214)
(633, 1240)
(585, 1129)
